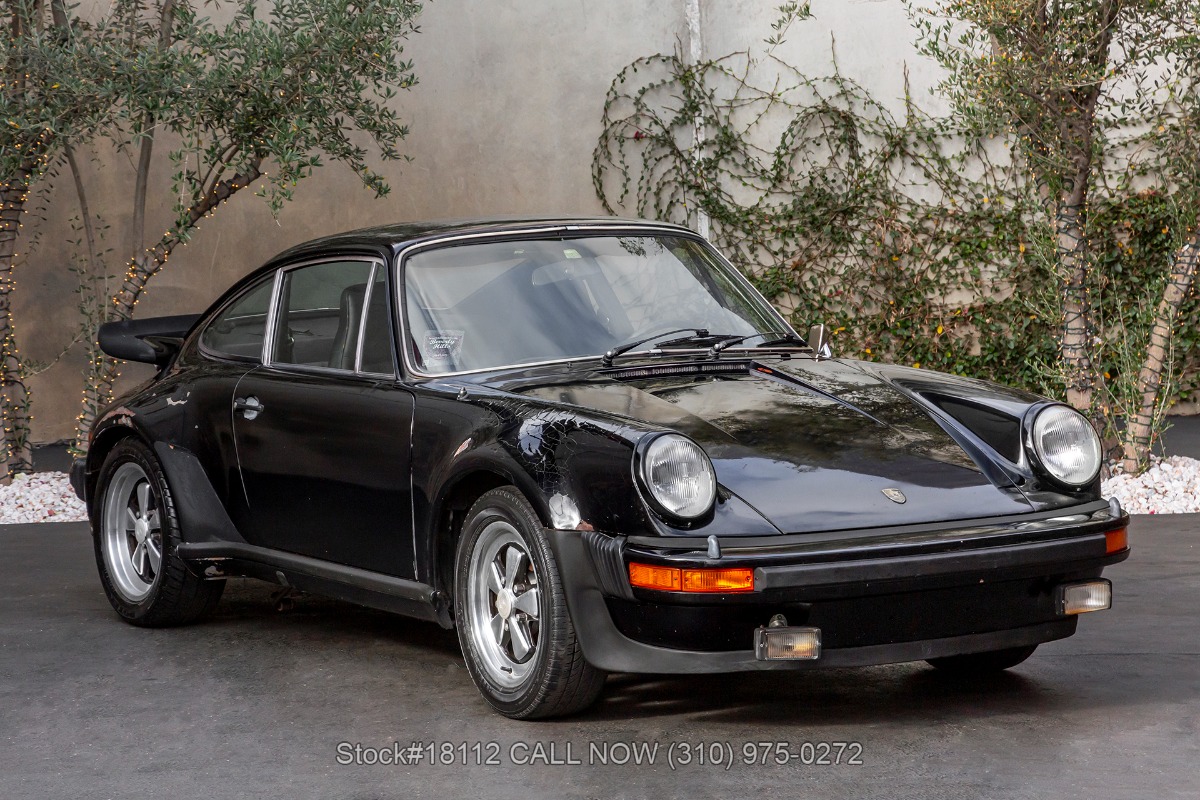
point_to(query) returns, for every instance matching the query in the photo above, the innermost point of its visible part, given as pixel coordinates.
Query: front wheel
(136, 535)
(517, 638)
(983, 663)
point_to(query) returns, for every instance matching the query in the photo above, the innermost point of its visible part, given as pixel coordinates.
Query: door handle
(249, 406)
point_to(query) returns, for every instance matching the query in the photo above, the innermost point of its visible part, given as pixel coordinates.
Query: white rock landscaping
(1170, 486)
(40, 497)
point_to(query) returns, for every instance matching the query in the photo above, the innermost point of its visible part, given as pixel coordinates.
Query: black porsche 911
(591, 447)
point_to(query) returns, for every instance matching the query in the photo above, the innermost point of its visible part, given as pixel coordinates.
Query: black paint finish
(341, 491)
(370, 475)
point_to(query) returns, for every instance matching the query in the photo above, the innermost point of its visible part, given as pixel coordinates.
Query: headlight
(679, 476)
(1066, 445)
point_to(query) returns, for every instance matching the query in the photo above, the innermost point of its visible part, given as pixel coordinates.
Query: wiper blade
(607, 360)
(781, 337)
(707, 339)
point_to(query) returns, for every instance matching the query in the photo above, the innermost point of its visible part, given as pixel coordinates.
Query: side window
(377, 333)
(240, 328)
(320, 312)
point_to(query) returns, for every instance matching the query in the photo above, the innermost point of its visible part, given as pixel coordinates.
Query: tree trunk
(1139, 430)
(17, 451)
(1076, 325)
(94, 306)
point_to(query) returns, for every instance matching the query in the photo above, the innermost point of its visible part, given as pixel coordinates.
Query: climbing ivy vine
(913, 240)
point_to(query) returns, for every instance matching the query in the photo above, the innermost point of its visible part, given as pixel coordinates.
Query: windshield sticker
(571, 253)
(442, 347)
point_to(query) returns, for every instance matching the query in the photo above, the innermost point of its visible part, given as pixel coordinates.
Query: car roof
(403, 234)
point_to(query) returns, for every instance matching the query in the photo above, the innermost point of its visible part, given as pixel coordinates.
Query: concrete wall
(504, 121)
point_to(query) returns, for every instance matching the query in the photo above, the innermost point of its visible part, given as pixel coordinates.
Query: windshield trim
(402, 255)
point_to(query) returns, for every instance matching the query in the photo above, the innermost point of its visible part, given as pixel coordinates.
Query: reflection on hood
(811, 445)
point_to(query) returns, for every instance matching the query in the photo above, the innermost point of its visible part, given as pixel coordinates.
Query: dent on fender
(564, 515)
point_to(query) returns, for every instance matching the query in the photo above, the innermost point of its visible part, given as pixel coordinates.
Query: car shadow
(819, 697)
(893, 693)
(311, 616)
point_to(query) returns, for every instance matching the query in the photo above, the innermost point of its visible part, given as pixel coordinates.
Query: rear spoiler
(152, 341)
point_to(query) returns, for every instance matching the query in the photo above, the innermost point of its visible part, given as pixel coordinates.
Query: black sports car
(590, 446)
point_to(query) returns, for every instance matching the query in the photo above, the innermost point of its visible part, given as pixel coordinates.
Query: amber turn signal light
(665, 579)
(1116, 541)
(737, 579)
(672, 579)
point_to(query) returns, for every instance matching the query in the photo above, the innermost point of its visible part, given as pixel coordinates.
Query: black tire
(992, 661)
(173, 595)
(559, 680)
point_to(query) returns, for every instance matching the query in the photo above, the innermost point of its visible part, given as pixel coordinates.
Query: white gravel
(1170, 486)
(40, 497)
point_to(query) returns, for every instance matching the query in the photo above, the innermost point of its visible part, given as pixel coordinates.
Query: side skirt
(214, 560)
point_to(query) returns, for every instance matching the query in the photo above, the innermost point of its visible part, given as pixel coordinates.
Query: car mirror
(818, 340)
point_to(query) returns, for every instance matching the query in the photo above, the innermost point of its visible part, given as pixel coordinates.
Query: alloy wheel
(131, 531)
(504, 598)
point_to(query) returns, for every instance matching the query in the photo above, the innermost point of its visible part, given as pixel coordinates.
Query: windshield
(480, 306)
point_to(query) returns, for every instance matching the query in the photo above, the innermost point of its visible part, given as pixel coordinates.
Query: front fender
(987, 420)
(575, 466)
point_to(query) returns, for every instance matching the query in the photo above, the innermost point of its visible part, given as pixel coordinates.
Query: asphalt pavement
(266, 700)
(1182, 437)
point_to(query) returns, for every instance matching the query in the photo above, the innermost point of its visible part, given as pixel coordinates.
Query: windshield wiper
(607, 360)
(781, 337)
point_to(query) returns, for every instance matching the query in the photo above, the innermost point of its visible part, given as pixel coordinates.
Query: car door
(229, 346)
(323, 427)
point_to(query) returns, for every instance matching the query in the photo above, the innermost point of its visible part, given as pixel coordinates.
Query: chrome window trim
(378, 268)
(208, 352)
(403, 253)
(362, 323)
(273, 317)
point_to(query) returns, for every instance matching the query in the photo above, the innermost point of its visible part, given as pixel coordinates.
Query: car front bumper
(877, 596)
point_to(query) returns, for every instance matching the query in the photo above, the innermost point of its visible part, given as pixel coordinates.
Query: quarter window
(239, 330)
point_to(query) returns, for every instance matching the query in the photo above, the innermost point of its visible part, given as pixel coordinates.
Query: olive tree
(1098, 99)
(52, 66)
(258, 101)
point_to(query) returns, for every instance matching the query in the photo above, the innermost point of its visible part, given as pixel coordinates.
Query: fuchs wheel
(136, 535)
(516, 635)
(983, 663)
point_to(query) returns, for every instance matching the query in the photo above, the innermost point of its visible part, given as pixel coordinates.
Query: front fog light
(787, 644)
(1080, 598)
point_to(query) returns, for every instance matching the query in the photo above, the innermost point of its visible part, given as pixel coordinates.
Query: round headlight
(679, 476)
(1066, 445)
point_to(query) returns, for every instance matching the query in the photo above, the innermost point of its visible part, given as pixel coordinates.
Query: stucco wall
(504, 121)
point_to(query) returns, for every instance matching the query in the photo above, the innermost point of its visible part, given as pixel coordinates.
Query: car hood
(811, 445)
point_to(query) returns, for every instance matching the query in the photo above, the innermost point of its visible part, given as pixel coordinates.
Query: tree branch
(218, 194)
(89, 230)
(137, 230)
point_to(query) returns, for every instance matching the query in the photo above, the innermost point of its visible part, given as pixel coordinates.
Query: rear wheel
(136, 535)
(517, 638)
(983, 663)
